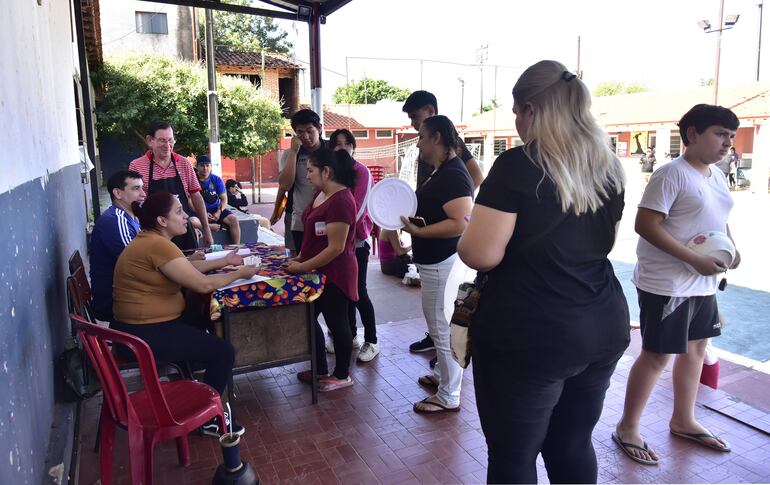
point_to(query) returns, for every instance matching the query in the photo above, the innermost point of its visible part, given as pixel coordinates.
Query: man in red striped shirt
(163, 169)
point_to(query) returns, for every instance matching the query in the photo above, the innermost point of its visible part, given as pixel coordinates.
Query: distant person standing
(292, 171)
(647, 163)
(733, 169)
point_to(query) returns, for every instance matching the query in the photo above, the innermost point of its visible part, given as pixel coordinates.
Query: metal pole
(85, 93)
(579, 74)
(719, 50)
(253, 181)
(259, 181)
(481, 101)
(347, 87)
(316, 101)
(214, 148)
(759, 35)
(420, 73)
(462, 97)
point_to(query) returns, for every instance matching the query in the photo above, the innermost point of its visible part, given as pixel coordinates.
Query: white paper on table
(221, 254)
(241, 281)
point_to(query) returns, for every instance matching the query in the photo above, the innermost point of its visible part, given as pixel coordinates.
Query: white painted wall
(119, 36)
(38, 134)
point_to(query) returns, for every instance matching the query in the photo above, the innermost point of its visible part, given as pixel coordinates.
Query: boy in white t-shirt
(678, 307)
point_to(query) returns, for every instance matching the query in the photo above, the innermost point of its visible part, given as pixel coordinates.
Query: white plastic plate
(389, 200)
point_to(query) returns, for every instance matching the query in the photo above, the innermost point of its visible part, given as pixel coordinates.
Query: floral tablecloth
(281, 289)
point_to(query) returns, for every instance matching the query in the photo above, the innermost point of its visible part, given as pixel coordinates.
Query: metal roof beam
(217, 5)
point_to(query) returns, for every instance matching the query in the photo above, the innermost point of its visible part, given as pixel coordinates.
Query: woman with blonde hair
(552, 321)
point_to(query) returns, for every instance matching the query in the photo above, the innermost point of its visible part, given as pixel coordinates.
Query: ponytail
(341, 165)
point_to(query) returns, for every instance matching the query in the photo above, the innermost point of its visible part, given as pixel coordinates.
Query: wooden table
(269, 323)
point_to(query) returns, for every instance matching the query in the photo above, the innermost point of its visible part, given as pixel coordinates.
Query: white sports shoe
(368, 352)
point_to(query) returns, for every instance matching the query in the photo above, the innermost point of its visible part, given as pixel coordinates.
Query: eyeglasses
(164, 141)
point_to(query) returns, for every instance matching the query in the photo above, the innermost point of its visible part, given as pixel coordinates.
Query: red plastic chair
(378, 173)
(161, 411)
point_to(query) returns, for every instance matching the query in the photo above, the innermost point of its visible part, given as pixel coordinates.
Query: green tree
(369, 91)
(706, 82)
(140, 89)
(245, 32)
(613, 88)
(488, 107)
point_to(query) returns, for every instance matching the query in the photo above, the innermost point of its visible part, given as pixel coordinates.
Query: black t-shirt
(424, 169)
(556, 302)
(451, 181)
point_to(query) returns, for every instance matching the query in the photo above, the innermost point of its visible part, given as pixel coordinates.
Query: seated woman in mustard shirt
(148, 301)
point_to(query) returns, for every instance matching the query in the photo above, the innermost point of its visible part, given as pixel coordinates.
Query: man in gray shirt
(292, 168)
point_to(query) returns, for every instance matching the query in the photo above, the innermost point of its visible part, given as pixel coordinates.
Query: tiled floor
(369, 434)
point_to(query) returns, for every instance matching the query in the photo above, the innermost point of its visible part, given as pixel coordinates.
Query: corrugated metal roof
(634, 111)
(385, 114)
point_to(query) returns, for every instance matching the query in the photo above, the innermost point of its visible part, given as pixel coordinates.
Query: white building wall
(37, 101)
(119, 35)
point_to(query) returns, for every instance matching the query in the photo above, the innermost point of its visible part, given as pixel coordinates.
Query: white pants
(448, 373)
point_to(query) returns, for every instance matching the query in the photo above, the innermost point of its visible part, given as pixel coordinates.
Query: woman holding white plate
(444, 202)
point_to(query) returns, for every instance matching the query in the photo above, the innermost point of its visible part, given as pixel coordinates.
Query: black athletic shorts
(669, 322)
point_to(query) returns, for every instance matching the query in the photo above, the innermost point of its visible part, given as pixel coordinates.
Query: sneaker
(433, 362)
(356, 342)
(212, 427)
(368, 352)
(332, 384)
(423, 345)
(330, 344)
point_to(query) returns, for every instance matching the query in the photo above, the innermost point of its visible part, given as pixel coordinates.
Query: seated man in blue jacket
(115, 228)
(214, 196)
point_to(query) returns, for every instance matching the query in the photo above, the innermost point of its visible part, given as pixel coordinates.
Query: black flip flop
(427, 381)
(625, 447)
(442, 408)
(702, 439)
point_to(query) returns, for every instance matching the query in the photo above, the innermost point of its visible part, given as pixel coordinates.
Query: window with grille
(383, 133)
(360, 133)
(501, 145)
(151, 23)
(676, 144)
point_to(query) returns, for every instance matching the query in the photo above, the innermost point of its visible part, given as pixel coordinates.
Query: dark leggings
(334, 305)
(297, 236)
(183, 339)
(525, 411)
(364, 304)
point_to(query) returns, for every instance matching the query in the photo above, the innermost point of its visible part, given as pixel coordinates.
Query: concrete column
(489, 150)
(662, 143)
(760, 166)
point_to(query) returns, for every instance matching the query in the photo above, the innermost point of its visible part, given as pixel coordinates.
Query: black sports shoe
(423, 345)
(212, 427)
(433, 362)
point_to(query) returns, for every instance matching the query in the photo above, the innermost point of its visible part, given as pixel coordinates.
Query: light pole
(725, 23)
(462, 96)
(759, 35)
(481, 56)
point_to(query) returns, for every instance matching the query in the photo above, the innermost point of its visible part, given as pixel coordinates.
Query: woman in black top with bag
(552, 321)
(444, 202)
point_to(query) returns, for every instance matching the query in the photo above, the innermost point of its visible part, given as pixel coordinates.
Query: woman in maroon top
(328, 247)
